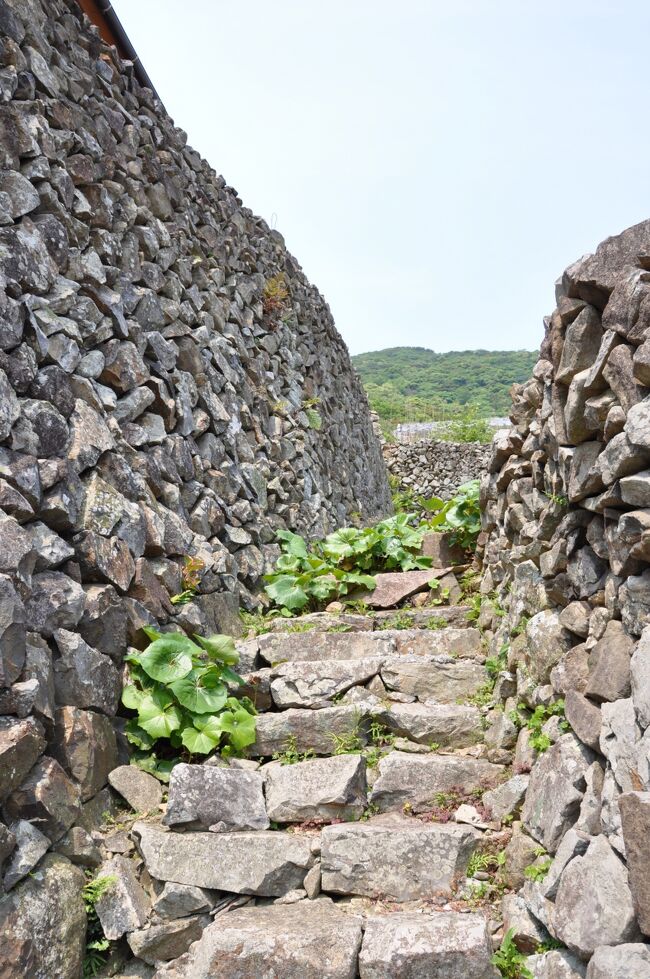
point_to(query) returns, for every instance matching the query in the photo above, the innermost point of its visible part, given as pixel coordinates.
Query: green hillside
(413, 383)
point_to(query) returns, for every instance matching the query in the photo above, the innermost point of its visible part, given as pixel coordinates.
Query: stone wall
(160, 396)
(566, 550)
(429, 468)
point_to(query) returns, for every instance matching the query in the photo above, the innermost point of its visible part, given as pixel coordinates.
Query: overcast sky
(432, 165)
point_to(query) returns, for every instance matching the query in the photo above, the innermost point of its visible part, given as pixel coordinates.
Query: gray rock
(635, 489)
(574, 844)
(311, 730)
(609, 665)
(444, 945)
(556, 964)
(442, 679)
(547, 641)
(314, 684)
(78, 846)
(584, 717)
(180, 900)
(555, 790)
(393, 587)
(22, 742)
(123, 905)
(417, 779)
(394, 857)
(160, 943)
(202, 797)
(43, 922)
(142, 791)
(528, 932)
(265, 863)
(84, 677)
(31, 845)
(86, 747)
(322, 788)
(56, 602)
(594, 905)
(637, 426)
(506, 798)
(618, 737)
(313, 940)
(620, 962)
(640, 679)
(447, 725)
(12, 633)
(635, 818)
(315, 646)
(452, 643)
(47, 797)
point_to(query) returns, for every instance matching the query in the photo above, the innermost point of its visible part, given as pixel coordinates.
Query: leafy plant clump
(461, 515)
(537, 738)
(191, 579)
(179, 691)
(97, 945)
(309, 575)
(509, 960)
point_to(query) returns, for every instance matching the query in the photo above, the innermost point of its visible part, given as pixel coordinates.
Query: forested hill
(399, 378)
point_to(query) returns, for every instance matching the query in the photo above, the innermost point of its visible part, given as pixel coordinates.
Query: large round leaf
(136, 735)
(198, 742)
(132, 696)
(292, 543)
(239, 725)
(201, 691)
(158, 714)
(285, 591)
(168, 658)
(221, 648)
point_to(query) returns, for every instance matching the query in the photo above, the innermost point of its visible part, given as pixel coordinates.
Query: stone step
(317, 940)
(419, 781)
(276, 648)
(394, 857)
(322, 789)
(420, 618)
(308, 730)
(442, 725)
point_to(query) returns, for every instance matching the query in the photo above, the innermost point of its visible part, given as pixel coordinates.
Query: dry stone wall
(160, 396)
(429, 468)
(566, 547)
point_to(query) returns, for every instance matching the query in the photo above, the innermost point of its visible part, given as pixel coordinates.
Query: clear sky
(432, 165)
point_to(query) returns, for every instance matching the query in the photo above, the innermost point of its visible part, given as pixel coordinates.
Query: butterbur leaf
(239, 725)
(201, 691)
(158, 714)
(286, 592)
(168, 658)
(198, 742)
(231, 677)
(292, 543)
(151, 633)
(221, 648)
(136, 735)
(132, 696)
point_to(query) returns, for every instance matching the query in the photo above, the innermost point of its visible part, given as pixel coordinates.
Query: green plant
(190, 580)
(477, 862)
(290, 754)
(461, 515)
(257, 623)
(537, 739)
(497, 664)
(520, 628)
(509, 960)
(436, 622)
(179, 691)
(339, 628)
(345, 559)
(314, 419)
(380, 735)
(537, 871)
(402, 620)
(483, 696)
(275, 294)
(468, 425)
(371, 810)
(347, 743)
(96, 942)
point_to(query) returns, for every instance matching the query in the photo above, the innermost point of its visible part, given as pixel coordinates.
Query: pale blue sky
(432, 165)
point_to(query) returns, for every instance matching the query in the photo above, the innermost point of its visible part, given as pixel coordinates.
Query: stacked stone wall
(428, 468)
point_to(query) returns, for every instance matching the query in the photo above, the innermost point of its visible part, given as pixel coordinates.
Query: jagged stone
(180, 900)
(30, 846)
(506, 798)
(86, 747)
(391, 588)
(417, 779)
(160, 943)
(264, 863)
(584, 717)
(447, 725)
(556, 965)
(317, 646)
(313, 940)
(78, 846)
(12, 633)
(635, 818)
(640, 679)
(322, 788)
(205, 797)
(528, 934)
(620, 962)
(22, 742)
(594, 905)
(43, 922)
(47, 797)
(83, 677)
(314, 684)
(435, 678)
(555, 790)
(394, 857)
(456, 643)
(309, 730)
(446, 945)
(123, 906)
(56, 603)
(142, 791)
(618, 737)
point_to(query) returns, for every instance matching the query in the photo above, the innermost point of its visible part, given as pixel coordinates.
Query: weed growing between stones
(97, 945)
(509, 960)
(538, 738)
(179, 691)
(190, 579)
(290, 754)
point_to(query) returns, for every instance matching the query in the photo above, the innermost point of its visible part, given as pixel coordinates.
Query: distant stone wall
(566, 551)
(160, 396)
(435, 468)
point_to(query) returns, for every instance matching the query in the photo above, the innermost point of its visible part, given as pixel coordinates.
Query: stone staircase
(340, 847)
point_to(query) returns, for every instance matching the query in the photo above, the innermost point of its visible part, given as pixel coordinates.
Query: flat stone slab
(457, 642)
(394, 857)
(313, 684)
(323, 788)
(142, 791)
(430, 677)
(447, 725)
(205, 796)
(309, 940)
(444, 945)
(393, 587)
(264, 863)
(306, 647)
(308, 730)
(417, 779)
